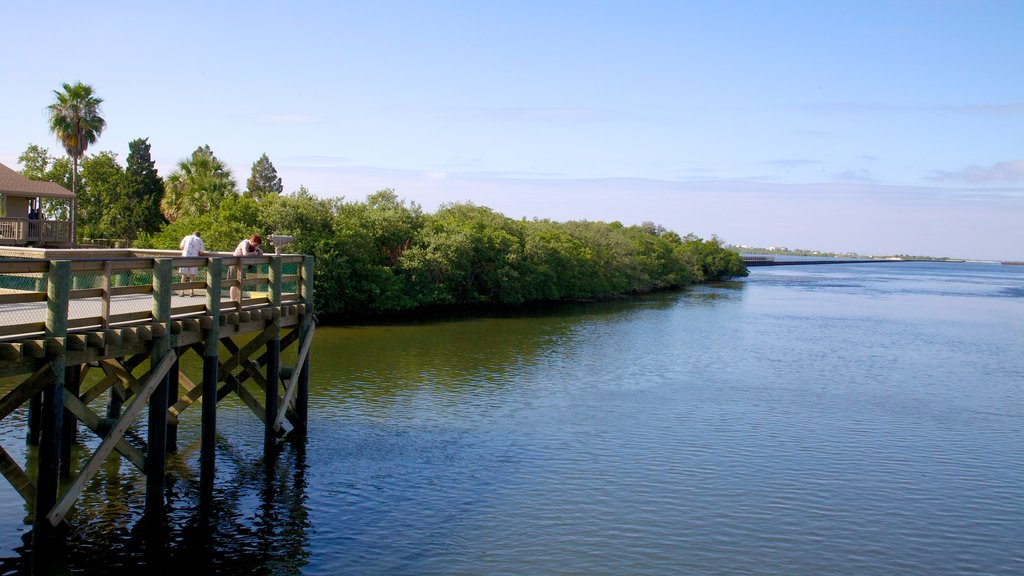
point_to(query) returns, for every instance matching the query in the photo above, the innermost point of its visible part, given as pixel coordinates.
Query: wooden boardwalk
(93, 338)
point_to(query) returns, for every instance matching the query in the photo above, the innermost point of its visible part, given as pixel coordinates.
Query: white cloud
(854, 175)
(1012, 171)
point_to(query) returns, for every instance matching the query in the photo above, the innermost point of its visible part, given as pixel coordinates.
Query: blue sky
(877, 127)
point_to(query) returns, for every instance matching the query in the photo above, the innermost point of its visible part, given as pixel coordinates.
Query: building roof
(13, 183)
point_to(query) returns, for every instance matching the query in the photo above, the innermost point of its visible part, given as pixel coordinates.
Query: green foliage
(222, 229)
(76, 122)
(384, 255)
(75, 118)
(197, 186)
(35, 161)
(263, 180)
(102, 202)
(714, 261)
(368, 238)
(145, 187)
(38, 164)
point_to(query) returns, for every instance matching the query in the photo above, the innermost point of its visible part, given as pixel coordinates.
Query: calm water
(848, 419)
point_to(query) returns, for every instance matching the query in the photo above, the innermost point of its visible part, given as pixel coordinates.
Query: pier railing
(117, 291)
(23, 231)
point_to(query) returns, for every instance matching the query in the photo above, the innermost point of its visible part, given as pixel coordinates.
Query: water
(848, 419)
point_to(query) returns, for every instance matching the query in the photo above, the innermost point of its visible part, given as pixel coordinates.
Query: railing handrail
(234, 274)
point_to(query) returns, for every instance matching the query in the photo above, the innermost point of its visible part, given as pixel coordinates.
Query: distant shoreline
(853, 255)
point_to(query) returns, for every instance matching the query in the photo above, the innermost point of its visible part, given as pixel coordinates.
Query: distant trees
(76, 122)
(263, 180)
(145, 186)
(384, 255)
(113, 202)
(105, 209)
(197, 186)
(38, 164)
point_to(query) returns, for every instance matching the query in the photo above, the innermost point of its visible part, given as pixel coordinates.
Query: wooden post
(173, 382)
(105, 298)
(34, 403)
(57, 300)
(239, 293)
(72, 383)
(211, 365)
(273, 352)
(114, 403)
(306, 323)
(156, 454)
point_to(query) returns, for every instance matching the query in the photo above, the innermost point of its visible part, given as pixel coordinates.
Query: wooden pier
(94, 338)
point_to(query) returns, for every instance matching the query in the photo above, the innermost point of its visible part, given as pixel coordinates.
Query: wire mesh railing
(112, 292)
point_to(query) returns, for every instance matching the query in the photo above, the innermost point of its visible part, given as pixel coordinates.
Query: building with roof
(22, 219)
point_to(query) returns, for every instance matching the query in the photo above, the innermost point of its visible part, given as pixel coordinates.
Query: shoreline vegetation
(779, 251)
(382, 258)
(385, 257)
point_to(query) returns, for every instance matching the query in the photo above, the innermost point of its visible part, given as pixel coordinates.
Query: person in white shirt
(191, 247)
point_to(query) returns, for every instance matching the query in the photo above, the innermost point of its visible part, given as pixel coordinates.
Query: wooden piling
(52, 407)
(305, 326)
(69, 427)
(156, 454)
(173, 384)
(211, 364)
(273, 373)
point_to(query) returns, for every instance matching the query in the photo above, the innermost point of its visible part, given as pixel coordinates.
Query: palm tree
(197, 186)
(75, 120)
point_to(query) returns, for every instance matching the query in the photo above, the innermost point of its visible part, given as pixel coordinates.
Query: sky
(877, 127)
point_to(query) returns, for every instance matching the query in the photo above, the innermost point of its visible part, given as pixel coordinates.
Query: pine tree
(264, 179)
(145, 185)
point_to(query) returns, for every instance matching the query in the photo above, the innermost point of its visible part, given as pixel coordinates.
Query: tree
(264, 179)
(145, 185)
(35, 161)
(76, 122)
(100, 197)
(198, 185)
(38, 164)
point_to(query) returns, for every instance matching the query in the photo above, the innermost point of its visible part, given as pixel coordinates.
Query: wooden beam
(93, 422)
(123, 374)
(77, 341)
(247, 350)
(10, 351)
(289, 391)
(192, 393)
(96, 339)
(247, 398)
(109, 365)
(34, 348)
(107, 446)
(18, 478)
(26, 390)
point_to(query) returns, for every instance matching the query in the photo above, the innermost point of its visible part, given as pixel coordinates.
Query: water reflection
(255, 521)
(791, 423)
